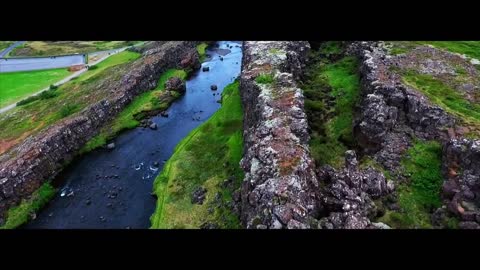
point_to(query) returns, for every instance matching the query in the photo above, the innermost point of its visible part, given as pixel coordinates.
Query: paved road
(13, 46)
(74, 75)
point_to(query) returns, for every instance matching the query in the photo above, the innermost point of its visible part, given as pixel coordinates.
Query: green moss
(206, 157)
(201, 49)
(337, 84)
(421, 196)
(20, 214)
(276, 51)
(331, 47)
(264, 78)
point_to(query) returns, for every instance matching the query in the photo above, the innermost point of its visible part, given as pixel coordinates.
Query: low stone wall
(279, 189)
(39, 158)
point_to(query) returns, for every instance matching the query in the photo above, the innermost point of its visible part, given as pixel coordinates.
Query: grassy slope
(120, 58)
(418, 198)
(19, 215)
(469, 48)
(15, 86)
(338, 81)
(147, 101)
(441, 94)
(206, 157)
(75, 94)
(44, 48)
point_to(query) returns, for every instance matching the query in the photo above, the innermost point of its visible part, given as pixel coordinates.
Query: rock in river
(111, 145)
(204, 69)
(153, 126)
(214, 87)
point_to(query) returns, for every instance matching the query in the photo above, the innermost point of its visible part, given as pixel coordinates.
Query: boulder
(213, 87)
(198, 195)
(111, 146)
(175, 84)
(204, 69)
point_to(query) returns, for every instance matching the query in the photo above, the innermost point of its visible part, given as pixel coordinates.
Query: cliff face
(391, 113)
(279, 189)
(39, 158)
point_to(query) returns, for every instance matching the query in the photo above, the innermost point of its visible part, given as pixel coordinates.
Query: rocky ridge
(280, 186)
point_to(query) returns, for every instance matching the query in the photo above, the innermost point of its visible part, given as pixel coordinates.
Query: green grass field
(68, 99)
(14, 86)
(206, 157)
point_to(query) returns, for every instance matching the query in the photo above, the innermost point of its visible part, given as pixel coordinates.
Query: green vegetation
(331, 47)
(119, 58)
(264, 78)
(276, 51)
(19, 215)
(206, 157)
(201, 49)
(446, 97)
(154, 100)
(43, 95)
(47, 48)
(418, 198)
(5, 44)
(331, 92)
(15, 86)
(469, 48)
(69, 98)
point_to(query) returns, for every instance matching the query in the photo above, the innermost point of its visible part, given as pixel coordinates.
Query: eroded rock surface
(461, 165)
(392, 113)
(279, 189)
(348, 195)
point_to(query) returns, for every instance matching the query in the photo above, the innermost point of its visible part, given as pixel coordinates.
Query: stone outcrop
(279, 189)
(175, 84)
(24, 168)
(461, 166)
(348, 194)
(392, 112)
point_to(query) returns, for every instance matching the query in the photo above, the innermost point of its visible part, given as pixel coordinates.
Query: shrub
(264, 78)
(67, 110)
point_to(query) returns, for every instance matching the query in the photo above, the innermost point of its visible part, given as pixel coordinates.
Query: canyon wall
(279, 189)
(39, 158)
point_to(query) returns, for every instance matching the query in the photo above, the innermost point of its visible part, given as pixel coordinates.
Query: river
(108, 189)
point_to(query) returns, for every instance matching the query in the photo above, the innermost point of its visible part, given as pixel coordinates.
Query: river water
(112, 188)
